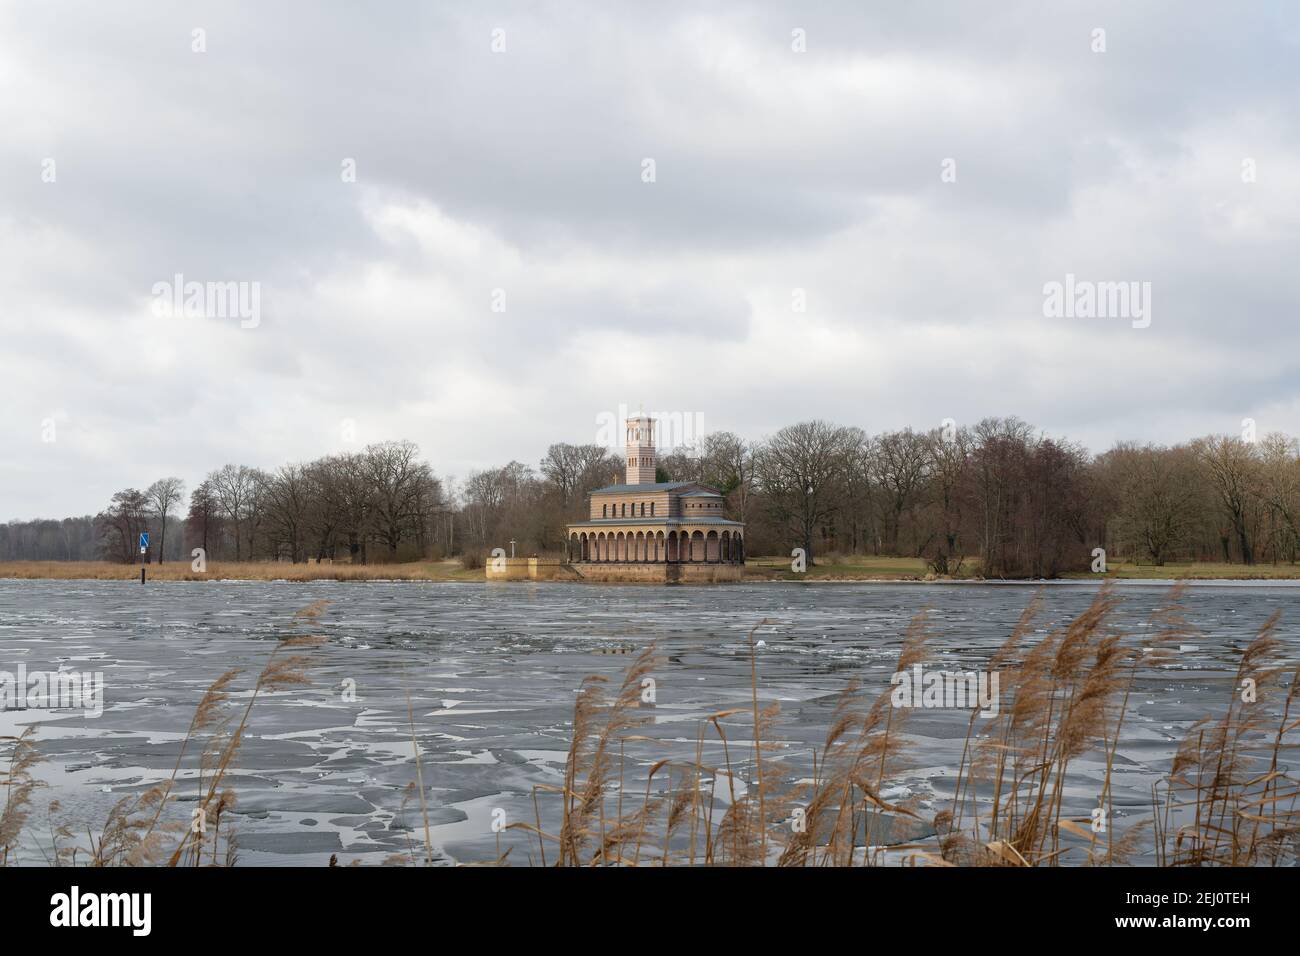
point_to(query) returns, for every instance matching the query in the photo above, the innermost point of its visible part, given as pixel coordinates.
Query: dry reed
(1226, 800)
(134, 832)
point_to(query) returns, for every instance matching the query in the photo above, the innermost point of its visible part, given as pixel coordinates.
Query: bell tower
(640, 450)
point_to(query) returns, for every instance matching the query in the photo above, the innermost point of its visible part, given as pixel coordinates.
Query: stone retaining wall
(538, 569)
(529, 569)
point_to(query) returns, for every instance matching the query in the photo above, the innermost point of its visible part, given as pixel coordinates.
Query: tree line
(998, 498)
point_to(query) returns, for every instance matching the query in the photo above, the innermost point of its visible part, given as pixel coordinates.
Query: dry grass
(239, 571)
(867, 567)
(831, 567)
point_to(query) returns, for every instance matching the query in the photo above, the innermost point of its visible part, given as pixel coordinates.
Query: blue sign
(144, 541)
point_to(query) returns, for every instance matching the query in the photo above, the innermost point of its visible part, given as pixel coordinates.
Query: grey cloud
(522, 170)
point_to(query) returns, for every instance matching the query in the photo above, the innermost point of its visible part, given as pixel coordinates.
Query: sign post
(144, 549)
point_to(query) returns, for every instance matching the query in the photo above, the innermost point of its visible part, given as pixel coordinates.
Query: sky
(488, 227)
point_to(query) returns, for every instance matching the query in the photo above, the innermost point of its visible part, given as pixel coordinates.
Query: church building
(670, 524)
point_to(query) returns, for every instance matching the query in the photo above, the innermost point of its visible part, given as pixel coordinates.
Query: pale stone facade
(646, 522)
(529, 569)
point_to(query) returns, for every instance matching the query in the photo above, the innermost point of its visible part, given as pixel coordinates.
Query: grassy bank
(853, 567)
(1196, 570)
(859, 567)
(830, 568)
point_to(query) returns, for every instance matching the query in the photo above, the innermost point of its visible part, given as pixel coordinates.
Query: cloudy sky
(516, 178)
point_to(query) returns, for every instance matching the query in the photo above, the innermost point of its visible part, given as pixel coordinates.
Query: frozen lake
(492, 671)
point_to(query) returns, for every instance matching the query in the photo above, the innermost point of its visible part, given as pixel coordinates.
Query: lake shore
(836, 569)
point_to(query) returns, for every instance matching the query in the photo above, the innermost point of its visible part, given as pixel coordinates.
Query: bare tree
(233, 487)
(1232, 469)
(46, 539)
(204, 515)
(900, 464)
(400, 484)
(119, 526)
(164, 494)
(948, 470)
(680, 464)
(288, 497)
(727, 463)
(483, 495)
(799, 471)
(354, 501)
(570, 467)
(1055, 509)
(999, 463)
(1279, 488)
(859, 500)
(1157, 497)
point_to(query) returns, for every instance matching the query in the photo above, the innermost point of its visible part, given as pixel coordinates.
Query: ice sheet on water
(468, 651)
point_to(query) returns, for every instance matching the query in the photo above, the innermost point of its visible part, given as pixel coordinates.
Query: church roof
(656, 486)
(701, 492)
(634, 522)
